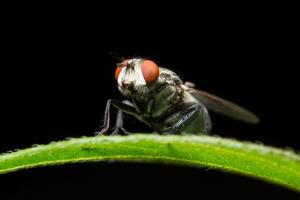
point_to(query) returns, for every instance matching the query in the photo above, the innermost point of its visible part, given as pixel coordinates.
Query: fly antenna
(116, 56)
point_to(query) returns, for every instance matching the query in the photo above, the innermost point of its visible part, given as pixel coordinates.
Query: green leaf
(256, 160)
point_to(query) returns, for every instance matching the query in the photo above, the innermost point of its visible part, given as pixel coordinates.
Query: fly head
(136, 76)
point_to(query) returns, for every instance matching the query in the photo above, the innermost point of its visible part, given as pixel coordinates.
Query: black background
(58, 73)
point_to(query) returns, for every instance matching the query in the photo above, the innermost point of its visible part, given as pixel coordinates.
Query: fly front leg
(124, 106)
(119, 127)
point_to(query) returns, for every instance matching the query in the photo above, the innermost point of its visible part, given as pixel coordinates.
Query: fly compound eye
(150, 71)
(118, 71)
(120, 67)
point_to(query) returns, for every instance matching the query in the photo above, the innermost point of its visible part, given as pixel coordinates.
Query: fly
(157, 97)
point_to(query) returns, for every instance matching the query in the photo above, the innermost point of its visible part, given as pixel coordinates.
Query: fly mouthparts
(127, 84)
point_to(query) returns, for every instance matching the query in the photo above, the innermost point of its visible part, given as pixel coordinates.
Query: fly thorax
(165, 99)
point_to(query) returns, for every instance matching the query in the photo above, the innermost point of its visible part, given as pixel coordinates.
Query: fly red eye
(120, 67)
(118, 71)
(150, 71)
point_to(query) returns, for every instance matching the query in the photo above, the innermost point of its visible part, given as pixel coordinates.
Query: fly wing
(224, 107)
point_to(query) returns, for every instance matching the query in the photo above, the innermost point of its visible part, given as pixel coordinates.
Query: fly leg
(194, 119)
(119, 127)
(126, 107)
